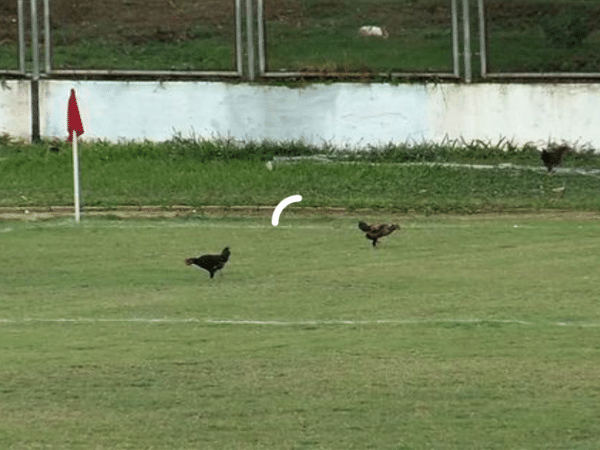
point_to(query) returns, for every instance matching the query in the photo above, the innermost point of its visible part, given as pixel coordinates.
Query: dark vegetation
(543, 36)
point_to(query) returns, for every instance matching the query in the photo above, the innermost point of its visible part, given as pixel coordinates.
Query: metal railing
(161, 74)
(453, 74)
(37, 57)
(20, 70)
(253, 58)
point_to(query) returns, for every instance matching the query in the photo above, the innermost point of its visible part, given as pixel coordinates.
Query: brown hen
(375, 232)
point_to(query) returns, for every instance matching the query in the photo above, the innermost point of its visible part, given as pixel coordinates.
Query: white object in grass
(372, 30)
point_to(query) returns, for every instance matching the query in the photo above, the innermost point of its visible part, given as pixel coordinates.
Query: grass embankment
(317, 36)
(199, 173)
(423, 379)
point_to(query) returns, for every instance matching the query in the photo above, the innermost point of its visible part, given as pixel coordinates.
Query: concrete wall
(15, 108)
(342, 114)
(520, 112)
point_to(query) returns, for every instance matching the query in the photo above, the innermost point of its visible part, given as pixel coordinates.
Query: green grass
(335, 50)
(9, 59)
(535, 36)
(199, 173)
(528, 51)
(208, 53)
(428, 380)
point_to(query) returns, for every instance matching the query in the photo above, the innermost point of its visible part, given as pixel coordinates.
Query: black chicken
(375, 232)
(553, 156)
(210, 263)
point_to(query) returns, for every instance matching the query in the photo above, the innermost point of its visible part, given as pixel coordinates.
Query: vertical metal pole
(238, 37)
(455, 51)
(47, 42)
(250, 39)
(467, 41)
(482, 39)
(21, 28)
(35, 88)
(35, 110)
(35, 40)
(262, 64)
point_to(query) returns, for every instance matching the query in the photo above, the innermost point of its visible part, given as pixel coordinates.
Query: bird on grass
(210, 263)
(552, 157)
(375, 232)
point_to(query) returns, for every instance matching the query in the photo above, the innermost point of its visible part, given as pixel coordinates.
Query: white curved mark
(282, 204)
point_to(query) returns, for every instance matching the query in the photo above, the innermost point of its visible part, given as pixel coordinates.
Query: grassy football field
(457, 333)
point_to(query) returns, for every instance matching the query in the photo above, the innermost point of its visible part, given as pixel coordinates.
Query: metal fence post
(238, 38)
(467, 41)
(482, 39)
(47, 42)
(250, 39)
(455, 50)
(21, 37)
(262, 64)
(35, 41)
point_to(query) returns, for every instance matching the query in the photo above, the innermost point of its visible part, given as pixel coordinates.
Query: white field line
(168, 223)
(167, 320)
(506, 166)
(537, 168)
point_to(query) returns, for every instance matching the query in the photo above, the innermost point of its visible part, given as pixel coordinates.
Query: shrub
(567, 28)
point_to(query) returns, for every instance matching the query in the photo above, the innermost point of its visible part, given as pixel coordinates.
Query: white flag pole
(76, 176)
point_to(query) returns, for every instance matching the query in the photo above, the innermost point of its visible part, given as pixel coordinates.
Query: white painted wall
(15, 108)
(520, 112)
(342, 114)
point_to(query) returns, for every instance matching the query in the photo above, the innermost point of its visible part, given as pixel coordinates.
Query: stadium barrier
(48, 46)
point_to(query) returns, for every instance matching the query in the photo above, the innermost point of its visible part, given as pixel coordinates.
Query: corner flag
(73, 117)
(74, 125)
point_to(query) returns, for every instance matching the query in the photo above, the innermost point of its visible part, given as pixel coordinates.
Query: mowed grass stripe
(162, 386)
(294, 323)
(315, 269)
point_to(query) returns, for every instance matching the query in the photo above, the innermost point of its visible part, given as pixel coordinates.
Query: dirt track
(158, 212)
(151, 212)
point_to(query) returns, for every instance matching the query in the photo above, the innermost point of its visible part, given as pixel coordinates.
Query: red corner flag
(73, 117)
